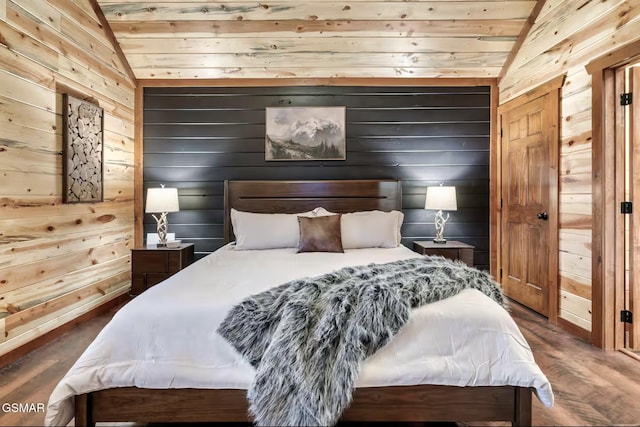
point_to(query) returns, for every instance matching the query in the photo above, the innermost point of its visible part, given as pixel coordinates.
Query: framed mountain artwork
(305, 133)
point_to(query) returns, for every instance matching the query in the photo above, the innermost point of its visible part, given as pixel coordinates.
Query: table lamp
(441, 198)
(162, 201)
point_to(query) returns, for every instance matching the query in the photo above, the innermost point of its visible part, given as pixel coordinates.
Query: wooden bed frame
(419, 403)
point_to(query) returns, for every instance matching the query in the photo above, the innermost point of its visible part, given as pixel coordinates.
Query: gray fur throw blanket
(307, 338)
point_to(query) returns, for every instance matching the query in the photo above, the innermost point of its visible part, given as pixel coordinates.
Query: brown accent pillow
(320, 234)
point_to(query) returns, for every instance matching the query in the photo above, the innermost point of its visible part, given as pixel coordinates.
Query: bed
(108, 384)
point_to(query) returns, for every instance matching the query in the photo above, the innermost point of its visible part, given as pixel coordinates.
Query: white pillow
(371, 229)
(368, 229)
(266, 231)
(321, 212)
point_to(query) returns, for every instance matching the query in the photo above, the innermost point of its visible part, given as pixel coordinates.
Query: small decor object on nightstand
(162, 201)
(441, 199)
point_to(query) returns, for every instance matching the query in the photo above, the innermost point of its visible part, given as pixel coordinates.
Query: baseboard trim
(13, 355)
(630, 354)
(576, 330)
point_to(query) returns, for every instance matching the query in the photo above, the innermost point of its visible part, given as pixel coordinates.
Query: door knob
(543, 216)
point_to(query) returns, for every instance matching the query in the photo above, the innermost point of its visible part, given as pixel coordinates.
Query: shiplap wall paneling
(566, 36)
(317, 39)
(575, 201)
(58, 261)
(195, 138)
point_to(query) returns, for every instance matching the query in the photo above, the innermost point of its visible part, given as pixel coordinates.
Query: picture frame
(305, 133)
(82, 151)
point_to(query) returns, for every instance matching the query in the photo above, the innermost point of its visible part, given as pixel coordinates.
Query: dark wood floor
(592, 387)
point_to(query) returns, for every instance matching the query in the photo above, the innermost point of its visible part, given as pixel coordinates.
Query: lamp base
(163, 225)
(440, 222)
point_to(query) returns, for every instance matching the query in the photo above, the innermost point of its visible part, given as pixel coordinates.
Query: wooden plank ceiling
(316, 39)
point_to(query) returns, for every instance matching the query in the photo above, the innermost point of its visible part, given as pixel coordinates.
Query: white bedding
(166, 337)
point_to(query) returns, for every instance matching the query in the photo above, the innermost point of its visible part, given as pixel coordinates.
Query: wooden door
(528, 133)
(633, 298)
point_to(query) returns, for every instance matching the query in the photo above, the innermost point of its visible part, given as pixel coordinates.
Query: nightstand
(151, 265)
(452, 250)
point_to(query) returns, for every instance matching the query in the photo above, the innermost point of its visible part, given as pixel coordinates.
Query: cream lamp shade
(441, 198)
(162, 200)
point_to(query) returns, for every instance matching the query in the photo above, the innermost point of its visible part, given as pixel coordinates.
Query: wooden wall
(317, 39)
(58, 261)
(565, 37)
(194, 138)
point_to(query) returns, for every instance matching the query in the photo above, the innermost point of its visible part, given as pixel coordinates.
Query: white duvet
(166, 337)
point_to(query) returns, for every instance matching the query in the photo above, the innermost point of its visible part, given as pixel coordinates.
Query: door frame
(633, 237)
(551, 88)
(607, 248)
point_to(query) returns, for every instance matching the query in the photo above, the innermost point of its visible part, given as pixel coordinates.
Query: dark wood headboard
(300, 196)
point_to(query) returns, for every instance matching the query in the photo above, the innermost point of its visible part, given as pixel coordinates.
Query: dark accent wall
(195, 138)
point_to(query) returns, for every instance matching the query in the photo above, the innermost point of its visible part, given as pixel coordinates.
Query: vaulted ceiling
(316, 39)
